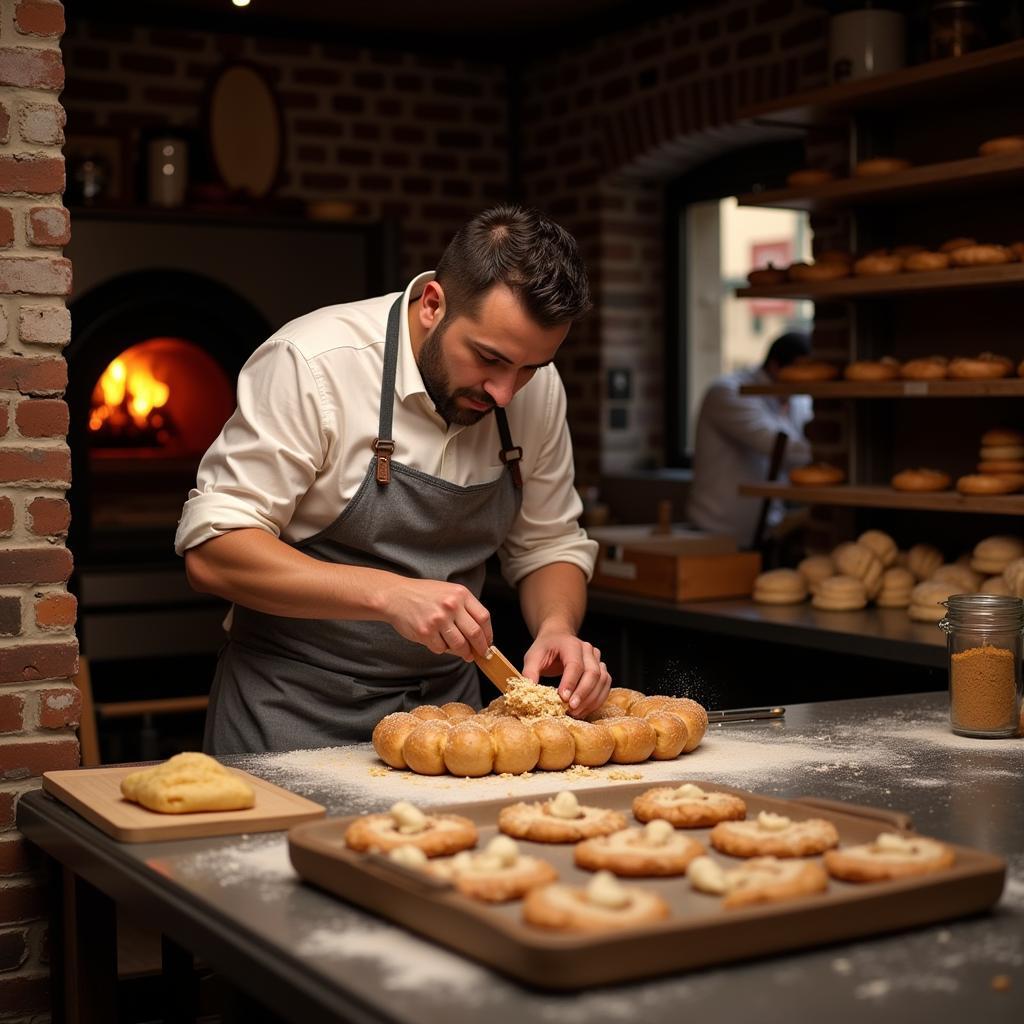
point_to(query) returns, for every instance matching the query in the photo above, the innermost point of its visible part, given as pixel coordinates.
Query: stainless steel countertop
(237, 903)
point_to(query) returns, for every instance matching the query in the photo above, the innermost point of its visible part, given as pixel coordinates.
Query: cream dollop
(657, 832)
(605, 891)
(892, 845)
(565, 805)
(769, 822)
(407, 818)
(707, 875)
(688, 791)
(408, 856)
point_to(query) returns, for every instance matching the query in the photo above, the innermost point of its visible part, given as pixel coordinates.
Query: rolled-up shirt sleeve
(267, 455)
(748, 423)
(547, 528)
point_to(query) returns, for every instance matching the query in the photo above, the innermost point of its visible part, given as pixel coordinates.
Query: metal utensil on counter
(744, 715)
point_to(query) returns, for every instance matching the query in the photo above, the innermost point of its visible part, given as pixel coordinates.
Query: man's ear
(431, 307)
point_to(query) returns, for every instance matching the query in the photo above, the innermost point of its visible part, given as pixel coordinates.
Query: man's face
(470, 365)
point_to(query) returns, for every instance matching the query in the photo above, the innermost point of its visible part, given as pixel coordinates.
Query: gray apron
(288, 684)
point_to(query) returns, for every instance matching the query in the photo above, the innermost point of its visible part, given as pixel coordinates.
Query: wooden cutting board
(95, 793)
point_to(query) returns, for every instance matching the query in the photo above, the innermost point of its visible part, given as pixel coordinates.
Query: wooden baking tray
(95, 793)
(700, 932)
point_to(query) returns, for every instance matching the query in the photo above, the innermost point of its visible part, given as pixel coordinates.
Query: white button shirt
(735, 437)
(297, 448)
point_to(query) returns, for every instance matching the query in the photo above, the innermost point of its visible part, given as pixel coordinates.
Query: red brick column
(38, 652)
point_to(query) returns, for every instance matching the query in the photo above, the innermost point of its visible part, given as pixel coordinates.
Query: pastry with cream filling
(562, 819)
(889, 856)
(437, 835)
(759, 880)
(498, 873)
(774, 835)
(604, 904)
(657, 849)
(688, 806)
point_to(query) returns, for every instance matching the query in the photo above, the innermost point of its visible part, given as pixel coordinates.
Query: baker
(735, 437)
(380, 453)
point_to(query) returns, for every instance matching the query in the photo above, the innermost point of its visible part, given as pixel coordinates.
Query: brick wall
(415, 138)
(603, 126)
(38, 653)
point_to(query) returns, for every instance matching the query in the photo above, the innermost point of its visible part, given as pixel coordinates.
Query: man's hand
(584, 682)
(444, 617)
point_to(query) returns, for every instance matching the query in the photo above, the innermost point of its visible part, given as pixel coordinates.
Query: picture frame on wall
(98, 171)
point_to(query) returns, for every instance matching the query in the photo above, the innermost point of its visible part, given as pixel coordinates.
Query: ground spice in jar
(983, 689)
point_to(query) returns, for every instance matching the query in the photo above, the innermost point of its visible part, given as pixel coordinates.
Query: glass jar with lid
(956, 27)
(984, 638)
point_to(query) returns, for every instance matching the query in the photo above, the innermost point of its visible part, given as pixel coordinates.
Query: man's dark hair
(787, 348)
(538, 261)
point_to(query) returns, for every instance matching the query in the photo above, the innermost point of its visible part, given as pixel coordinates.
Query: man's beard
(435, 380)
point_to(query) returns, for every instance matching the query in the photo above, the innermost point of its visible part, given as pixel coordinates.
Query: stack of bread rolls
(628, 728)
(873, 570)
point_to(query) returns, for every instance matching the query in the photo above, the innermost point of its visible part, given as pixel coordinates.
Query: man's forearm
(554, 598)
(254, 568)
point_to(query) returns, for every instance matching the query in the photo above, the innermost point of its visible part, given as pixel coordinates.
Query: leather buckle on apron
(510, 457)
(383, 450)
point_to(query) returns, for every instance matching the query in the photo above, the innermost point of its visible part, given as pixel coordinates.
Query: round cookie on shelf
(992, 555)
(960, 575)
(879, 166)
(1013, 576)
(985, 366)
(925, 368)
(872, 369)
(981, 256)
(860, 561)
(923, 560)
(999, 437)
(878, 265)
(952, 244)
(830, 270)
(766, 277)
(881, 544)
(925, 260)
(897, 585)
(996, 585)
(840, 594)
(780, 586)
(814, 569)
(804, 369)
(809, 177)
(1002, 144)
(990, 483)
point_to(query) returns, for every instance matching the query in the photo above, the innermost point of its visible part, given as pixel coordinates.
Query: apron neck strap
(384, 445)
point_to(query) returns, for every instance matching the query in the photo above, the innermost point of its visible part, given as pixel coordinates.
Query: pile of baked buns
(1000, 468)
(872, 569)
(630, 727)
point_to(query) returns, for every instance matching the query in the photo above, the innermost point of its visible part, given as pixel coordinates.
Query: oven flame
(128, 394)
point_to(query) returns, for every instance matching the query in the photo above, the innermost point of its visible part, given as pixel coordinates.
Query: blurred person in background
(735, 437)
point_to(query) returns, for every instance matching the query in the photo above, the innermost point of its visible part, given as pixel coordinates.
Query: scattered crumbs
(841, 965)
(579, 771)
(1001, 983)
(621, 775)
(379, 770)
(876, 989)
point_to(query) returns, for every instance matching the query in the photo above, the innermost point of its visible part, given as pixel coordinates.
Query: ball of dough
(557, 747)
(923, 560)
(926, 600)
(188, 783)
(456, 711)
(670, 734)
(468, 751)
(621, 697)
(814, 569)
(594, 742)
(634, 739)
(696, 718)
(516, 747)
(881, 544)
(424, 747)
(390, 734)
(429, 713)
(655, 702)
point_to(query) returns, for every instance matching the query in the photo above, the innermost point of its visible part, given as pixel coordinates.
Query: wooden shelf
(954, 78)
(1008, 387)
(950, 178)
(864, 496)
(892, 284)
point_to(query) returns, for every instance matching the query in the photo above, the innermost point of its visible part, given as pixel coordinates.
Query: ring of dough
(187, 783)
(566, 908)
(627, 853)
(498, 884)
(688, 812)
(879, 861)
(798, 839)
(536, 822)
(444, 834)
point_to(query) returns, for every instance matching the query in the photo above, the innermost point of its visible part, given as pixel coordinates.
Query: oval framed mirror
(246, 129)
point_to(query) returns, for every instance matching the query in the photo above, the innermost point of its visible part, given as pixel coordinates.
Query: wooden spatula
(497, 667)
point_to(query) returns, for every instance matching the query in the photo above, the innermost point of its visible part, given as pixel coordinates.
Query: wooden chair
(88, 733)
